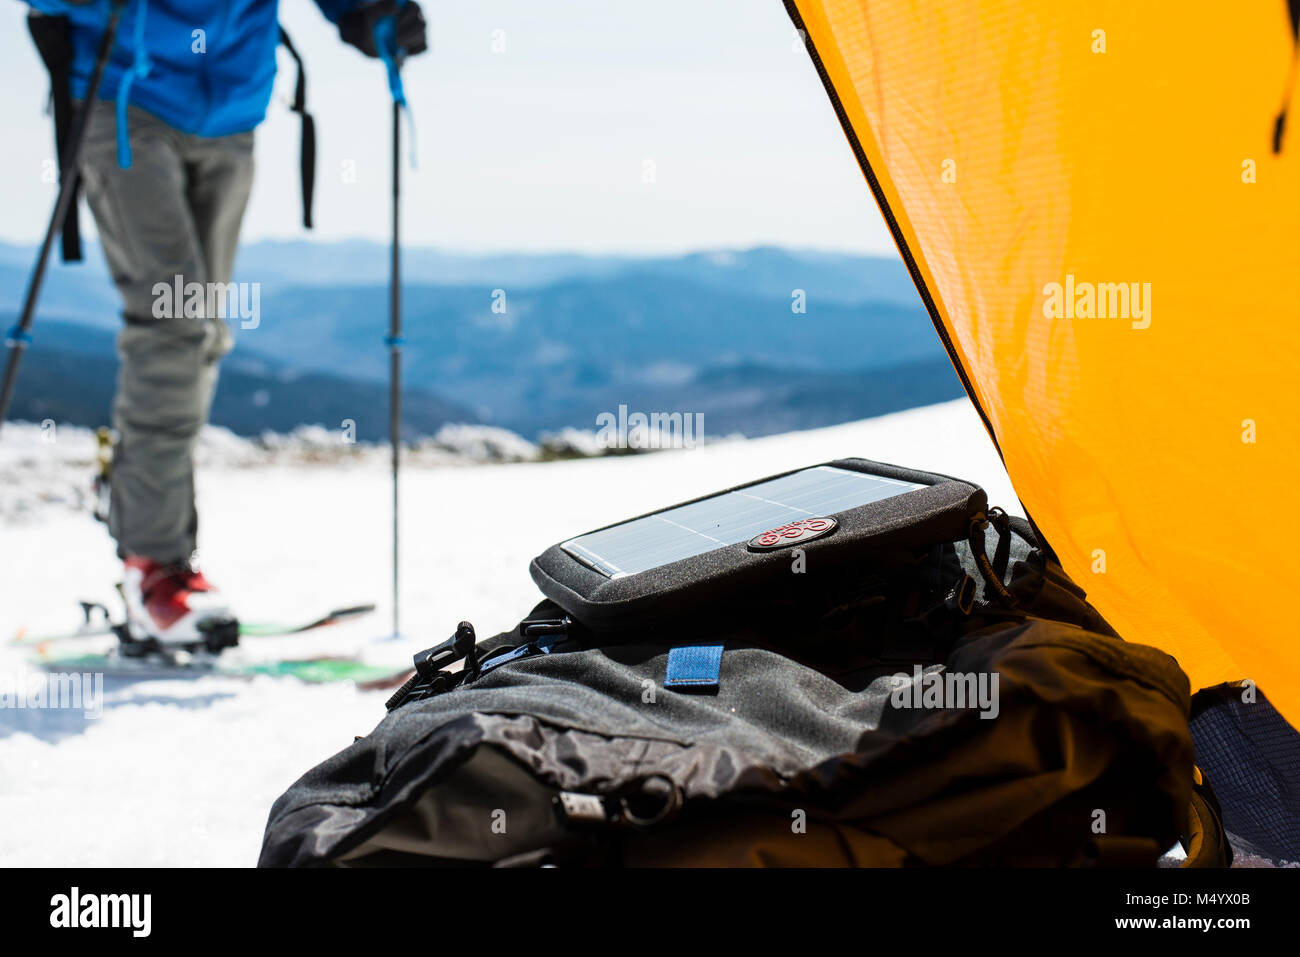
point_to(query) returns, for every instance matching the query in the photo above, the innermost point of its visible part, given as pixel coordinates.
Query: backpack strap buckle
(430, 678)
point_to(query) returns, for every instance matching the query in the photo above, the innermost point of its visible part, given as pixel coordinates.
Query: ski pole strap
(386, 45)
(391, 341)
(140, 67)
(392, 56)
(307, 142)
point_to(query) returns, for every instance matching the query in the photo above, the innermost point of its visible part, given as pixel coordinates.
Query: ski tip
(384, 683)
(338, 615)
(352, 611)
(265, 629)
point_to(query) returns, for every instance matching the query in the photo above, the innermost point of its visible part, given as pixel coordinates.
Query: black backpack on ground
(909, 680)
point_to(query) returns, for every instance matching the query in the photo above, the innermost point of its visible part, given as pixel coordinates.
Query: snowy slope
(184, 772)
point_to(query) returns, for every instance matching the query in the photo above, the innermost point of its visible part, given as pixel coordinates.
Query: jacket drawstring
(140, 67)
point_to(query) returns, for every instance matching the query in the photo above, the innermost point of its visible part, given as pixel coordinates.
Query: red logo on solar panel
(792, 534)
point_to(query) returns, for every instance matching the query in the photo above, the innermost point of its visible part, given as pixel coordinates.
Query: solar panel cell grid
(726, 519)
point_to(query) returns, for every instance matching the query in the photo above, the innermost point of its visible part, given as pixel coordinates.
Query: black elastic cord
(1002, 554)
(991, 578)
(307, 153)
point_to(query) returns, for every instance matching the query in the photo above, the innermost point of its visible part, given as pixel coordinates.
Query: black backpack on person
(894, 675)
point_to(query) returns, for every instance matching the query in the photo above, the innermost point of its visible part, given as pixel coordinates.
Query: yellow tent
(1090, 200)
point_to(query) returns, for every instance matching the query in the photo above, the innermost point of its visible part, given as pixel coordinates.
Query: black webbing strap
(54, 43)
(307, 154)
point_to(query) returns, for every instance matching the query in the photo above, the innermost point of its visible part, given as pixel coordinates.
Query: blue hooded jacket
(206, 67)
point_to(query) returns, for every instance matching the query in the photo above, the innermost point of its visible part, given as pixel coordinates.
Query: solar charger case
(722, 547)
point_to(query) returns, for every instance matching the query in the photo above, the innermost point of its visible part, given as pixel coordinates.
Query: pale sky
(540, 147)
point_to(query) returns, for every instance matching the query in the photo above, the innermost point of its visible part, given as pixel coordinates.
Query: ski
(182, 664)
(262, 630)
(99, 625)
(320, 670)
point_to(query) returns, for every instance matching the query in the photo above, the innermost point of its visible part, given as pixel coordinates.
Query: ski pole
(392, 55)
(395, 351)
(20, 336)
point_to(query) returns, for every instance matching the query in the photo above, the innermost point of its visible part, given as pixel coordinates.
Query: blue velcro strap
(16, 335)
(394, 340)
(695, 666)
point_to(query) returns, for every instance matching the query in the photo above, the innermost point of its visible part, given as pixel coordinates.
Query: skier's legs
(168, 370)
(219, 177)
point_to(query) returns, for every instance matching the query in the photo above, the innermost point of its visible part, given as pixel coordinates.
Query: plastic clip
(429, 678)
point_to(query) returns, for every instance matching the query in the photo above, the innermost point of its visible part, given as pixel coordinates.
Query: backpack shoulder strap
(307, 151)
(54, 44)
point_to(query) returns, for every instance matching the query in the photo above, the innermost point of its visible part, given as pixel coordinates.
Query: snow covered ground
(183, 772)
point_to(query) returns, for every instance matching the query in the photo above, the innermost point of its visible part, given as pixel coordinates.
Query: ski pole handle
(390, 52)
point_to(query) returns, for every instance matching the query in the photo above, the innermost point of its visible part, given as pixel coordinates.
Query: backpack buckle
(430, 678)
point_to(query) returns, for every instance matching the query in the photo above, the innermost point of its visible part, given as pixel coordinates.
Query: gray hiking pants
(175, 212)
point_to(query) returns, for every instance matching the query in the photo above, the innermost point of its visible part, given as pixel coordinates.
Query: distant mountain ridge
(71, 378)
(82, 291)
(761, 340)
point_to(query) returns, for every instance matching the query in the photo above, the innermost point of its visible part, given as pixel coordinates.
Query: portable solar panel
(698, 553)
(727, 518)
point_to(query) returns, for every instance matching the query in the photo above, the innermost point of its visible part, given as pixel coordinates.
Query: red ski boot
(173, 604)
